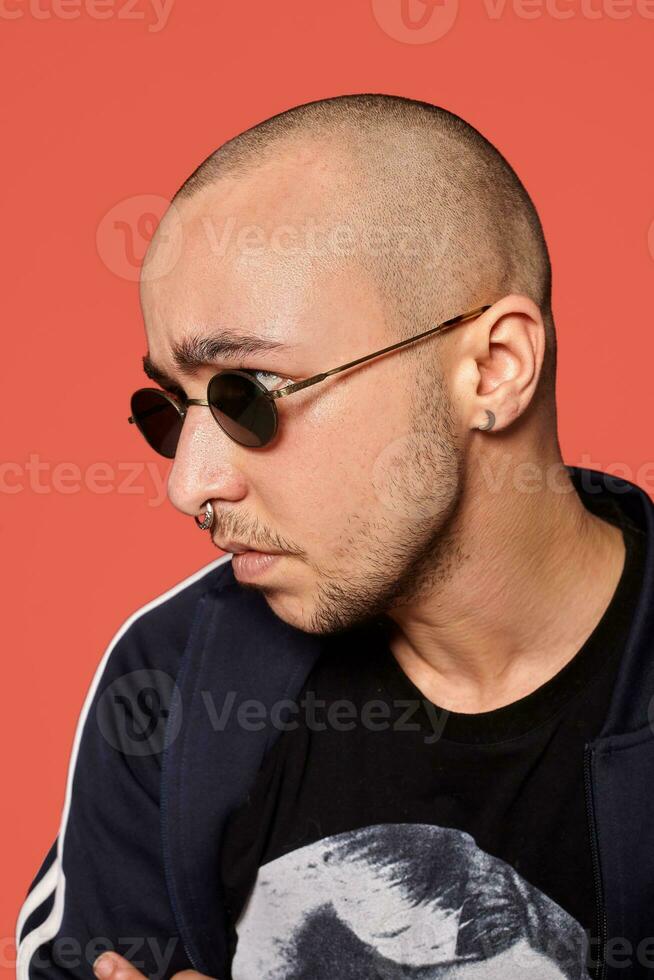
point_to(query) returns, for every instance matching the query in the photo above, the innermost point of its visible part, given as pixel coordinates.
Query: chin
(289, 607)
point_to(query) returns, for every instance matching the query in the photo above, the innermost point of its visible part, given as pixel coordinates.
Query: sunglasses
(241, 405)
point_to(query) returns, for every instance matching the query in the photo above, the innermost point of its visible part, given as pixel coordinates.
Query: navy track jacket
(183, 705)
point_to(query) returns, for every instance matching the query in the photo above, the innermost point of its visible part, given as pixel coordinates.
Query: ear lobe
(489, 423)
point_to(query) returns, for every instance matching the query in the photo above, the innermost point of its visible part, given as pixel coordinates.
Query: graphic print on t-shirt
(398, 900)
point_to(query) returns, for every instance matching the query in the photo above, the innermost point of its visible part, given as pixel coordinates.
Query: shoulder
(136, 674)
(112, 790)
(156, 633)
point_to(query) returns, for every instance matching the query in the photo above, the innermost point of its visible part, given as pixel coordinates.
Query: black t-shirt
(386, 837)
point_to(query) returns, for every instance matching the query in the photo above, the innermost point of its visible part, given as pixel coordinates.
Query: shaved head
(424, 203)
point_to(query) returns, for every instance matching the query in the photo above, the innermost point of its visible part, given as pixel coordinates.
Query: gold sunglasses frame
(316, 378)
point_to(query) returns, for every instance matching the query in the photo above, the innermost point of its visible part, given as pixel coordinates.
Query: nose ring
(207, 519)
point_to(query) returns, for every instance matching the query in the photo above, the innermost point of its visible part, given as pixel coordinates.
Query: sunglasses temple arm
(297, 386)
(409, 340)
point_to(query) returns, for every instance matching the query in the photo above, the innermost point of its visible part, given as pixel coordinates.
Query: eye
(266, 376)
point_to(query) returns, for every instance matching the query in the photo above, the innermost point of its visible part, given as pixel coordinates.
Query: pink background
(100, 111)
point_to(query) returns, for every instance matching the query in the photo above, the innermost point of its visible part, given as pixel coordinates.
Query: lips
(234, 547)
(237, 548)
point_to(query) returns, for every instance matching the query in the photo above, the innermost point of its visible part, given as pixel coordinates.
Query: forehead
(257, 256)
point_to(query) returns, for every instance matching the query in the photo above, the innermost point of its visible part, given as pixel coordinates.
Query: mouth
(250, 565)
(236, 548)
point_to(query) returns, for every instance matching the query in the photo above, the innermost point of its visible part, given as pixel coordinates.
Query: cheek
(340, 457)
(323, 464)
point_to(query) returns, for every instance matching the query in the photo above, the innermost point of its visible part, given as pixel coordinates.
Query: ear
(507, 346)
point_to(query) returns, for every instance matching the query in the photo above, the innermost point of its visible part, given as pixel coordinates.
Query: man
(348, 308)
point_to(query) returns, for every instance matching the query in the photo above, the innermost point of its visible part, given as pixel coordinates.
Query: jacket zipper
(190, 957)
(600, 910)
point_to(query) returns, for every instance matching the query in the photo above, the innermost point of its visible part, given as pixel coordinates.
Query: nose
(207, 464)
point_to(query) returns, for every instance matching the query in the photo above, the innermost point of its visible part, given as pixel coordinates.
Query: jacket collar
(629, 709)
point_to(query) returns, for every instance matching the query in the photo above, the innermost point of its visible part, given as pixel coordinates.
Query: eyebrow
(198, 351)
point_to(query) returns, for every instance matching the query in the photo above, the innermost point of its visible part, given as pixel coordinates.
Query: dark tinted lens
(158, 419)
(242, 409)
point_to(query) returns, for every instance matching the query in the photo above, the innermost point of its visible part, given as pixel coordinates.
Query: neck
(535, 573)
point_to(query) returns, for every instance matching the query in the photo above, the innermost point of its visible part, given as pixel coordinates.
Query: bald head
(417, 197)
